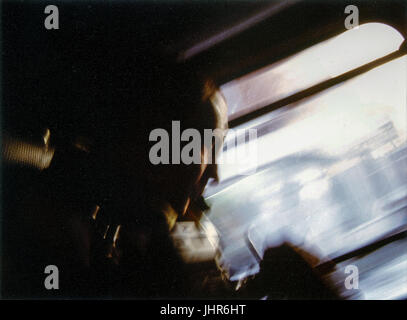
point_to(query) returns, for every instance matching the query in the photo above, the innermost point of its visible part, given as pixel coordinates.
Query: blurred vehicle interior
(329, 106)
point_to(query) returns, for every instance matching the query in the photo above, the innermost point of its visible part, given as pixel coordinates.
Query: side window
(331, 167)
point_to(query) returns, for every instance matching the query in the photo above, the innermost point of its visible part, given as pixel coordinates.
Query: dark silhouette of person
(102, 212)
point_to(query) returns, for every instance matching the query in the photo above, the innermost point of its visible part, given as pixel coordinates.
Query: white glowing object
(314, 190)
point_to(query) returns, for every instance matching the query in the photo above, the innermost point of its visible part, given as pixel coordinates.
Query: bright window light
(320, 62)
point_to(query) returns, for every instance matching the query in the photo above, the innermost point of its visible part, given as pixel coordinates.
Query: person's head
(166, 95)
(196, 104)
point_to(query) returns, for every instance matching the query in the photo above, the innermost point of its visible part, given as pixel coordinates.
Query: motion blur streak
(332, 168)
(328, 59)
(27, 154)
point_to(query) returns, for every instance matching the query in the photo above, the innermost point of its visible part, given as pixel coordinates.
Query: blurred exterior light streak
(333, 166)
(268, 191)
(308, 175)
(339, 118)
(320, 62)
(314, 190)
